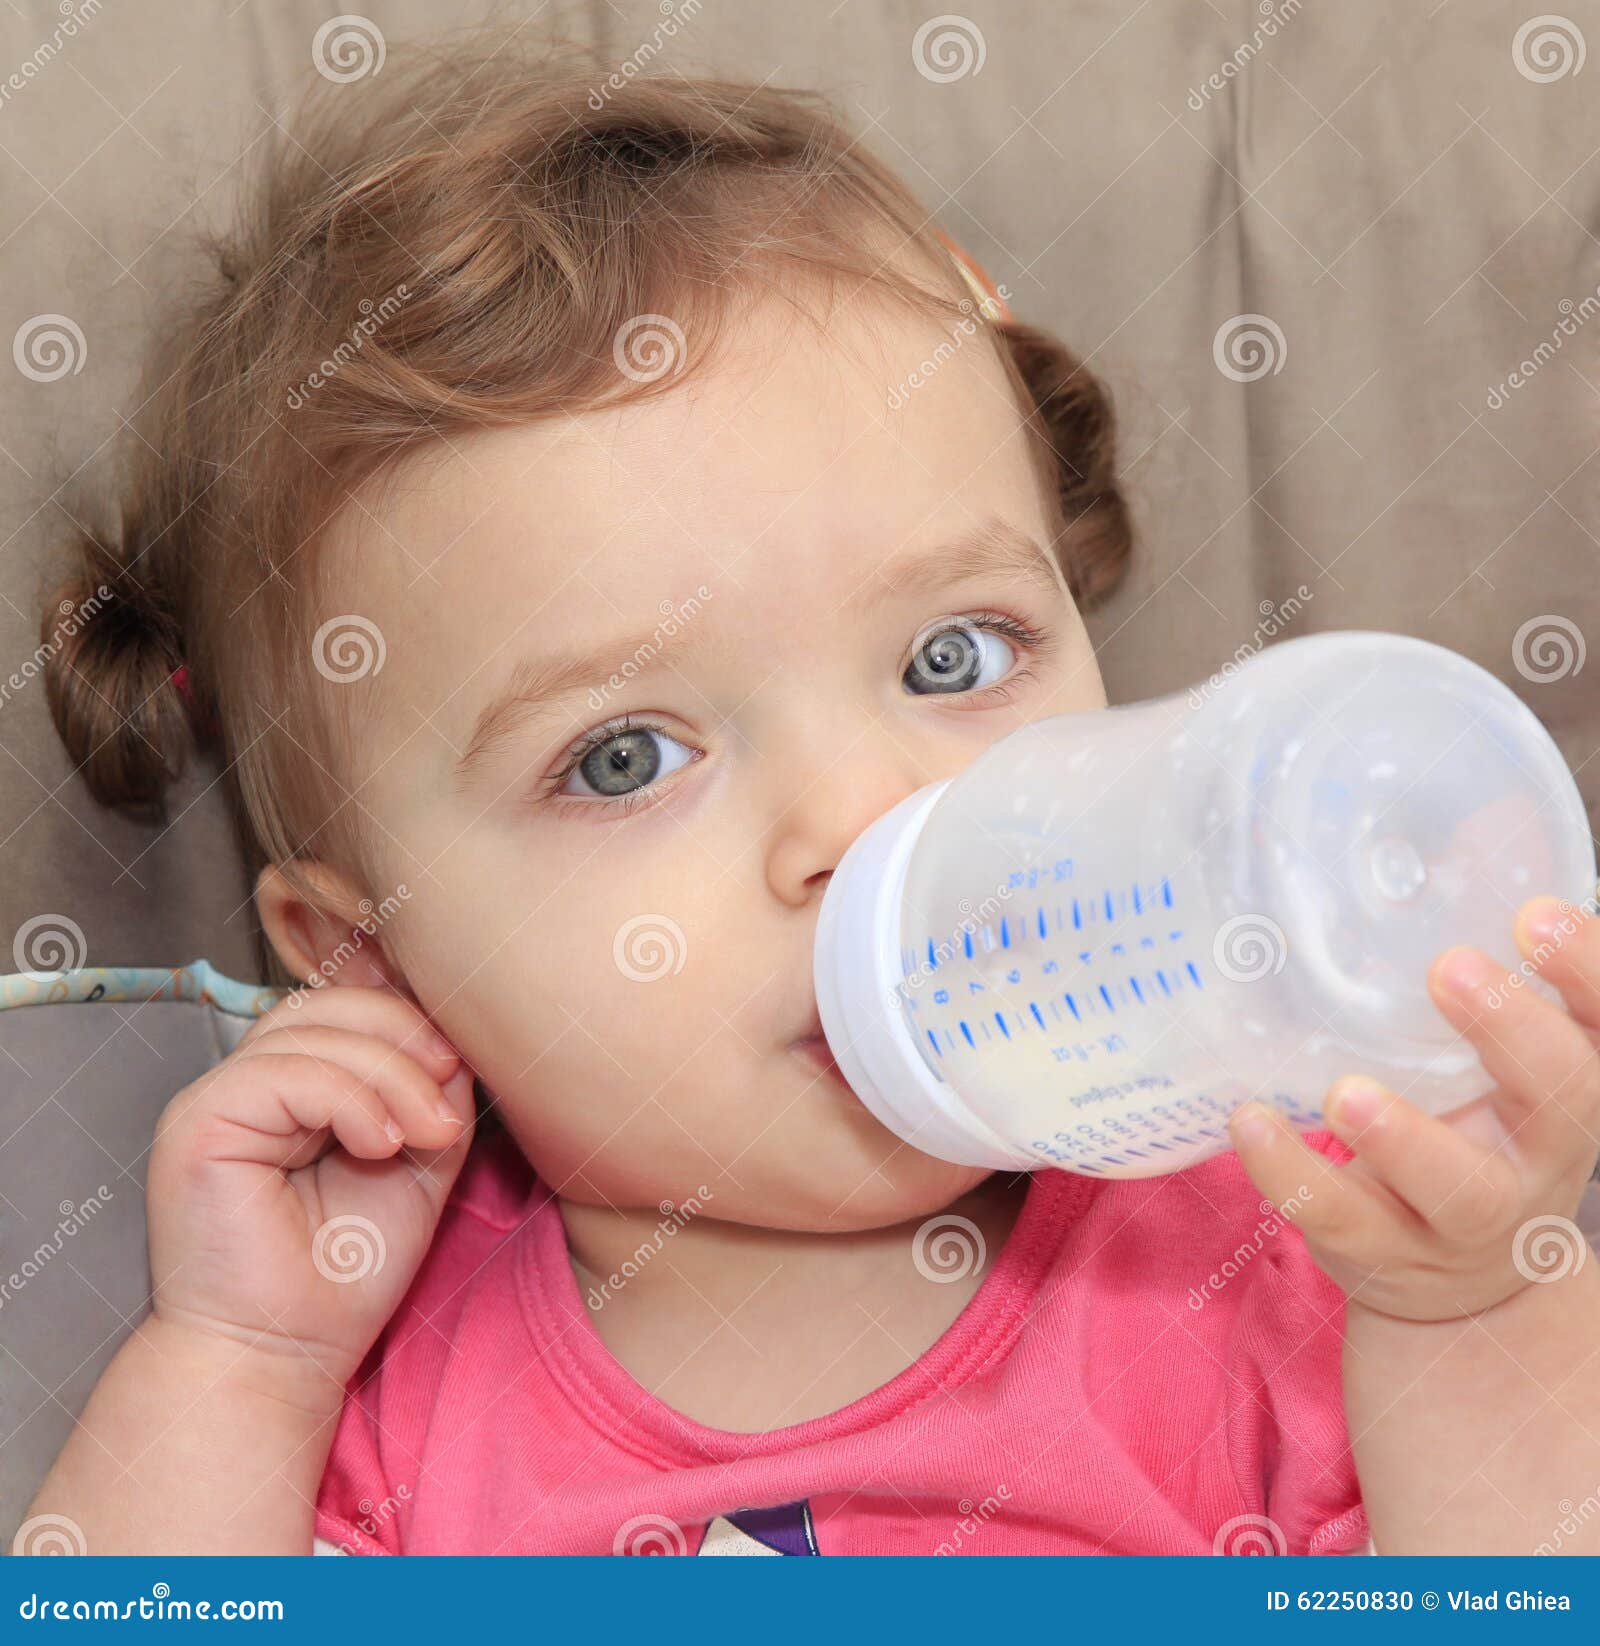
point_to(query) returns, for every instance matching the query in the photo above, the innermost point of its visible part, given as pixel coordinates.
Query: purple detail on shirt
(786, 1528)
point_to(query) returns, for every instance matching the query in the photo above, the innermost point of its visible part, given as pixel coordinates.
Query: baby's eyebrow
(995, 549)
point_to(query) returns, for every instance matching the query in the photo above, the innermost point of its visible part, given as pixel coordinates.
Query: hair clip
(991, 305)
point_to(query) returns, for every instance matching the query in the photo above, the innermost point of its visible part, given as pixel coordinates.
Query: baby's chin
(837, 1191)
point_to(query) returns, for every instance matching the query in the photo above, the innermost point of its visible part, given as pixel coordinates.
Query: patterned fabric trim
(198, 981)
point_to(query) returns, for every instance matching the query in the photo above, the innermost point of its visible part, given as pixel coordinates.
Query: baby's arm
(1470, 1435)
(194, 1444)
(293, 1191)
(1472, 1323)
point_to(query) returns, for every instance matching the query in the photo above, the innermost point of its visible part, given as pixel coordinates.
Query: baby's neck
(750, 1328)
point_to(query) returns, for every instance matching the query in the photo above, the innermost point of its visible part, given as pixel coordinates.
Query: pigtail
(1071, 411)
(112, 646)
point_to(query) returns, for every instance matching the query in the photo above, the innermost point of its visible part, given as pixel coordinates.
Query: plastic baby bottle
(1115, 926)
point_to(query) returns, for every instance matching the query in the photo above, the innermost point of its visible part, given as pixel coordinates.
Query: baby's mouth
(813, 1046)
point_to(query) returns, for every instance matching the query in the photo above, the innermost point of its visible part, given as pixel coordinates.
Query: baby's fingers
(1562, 943)
(1330, 1205)
(1543, 1064)
(1456, 1185)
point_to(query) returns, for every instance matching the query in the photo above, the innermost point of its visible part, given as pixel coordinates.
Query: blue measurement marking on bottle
(1138, 902)
(1000, 1018)
(1166, 891)
(1189, 967)
(1005, 934)
(1074, 1005)
(968, 1033)
(1077, 916)
(1038, 1016)
(966, 940)
(1042, 931)
(1105, 996)
(1136, 989)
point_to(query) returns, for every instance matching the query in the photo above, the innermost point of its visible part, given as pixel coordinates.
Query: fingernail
(1252, 1123)
(1467, 972)
(1352, 1106)
(447, 1114)
(441, 1045)
(1539, 920)
(393, 1130)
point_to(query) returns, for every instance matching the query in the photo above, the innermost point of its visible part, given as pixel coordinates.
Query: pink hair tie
(180, 679)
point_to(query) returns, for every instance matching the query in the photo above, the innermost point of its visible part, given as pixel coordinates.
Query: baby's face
(773, 639)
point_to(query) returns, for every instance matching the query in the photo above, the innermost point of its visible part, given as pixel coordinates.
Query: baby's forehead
(778, 470)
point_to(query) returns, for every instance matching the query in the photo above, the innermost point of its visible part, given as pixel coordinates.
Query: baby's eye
(624, 761)
(958, 657)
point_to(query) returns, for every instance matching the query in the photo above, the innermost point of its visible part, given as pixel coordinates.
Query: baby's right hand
(282, 1213)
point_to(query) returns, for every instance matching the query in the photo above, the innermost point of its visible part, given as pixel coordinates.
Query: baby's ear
(320, 926)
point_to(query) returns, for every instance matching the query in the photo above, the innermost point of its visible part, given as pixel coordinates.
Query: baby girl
(577, 514)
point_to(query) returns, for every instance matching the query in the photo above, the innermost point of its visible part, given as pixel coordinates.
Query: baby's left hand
(1431, 1220)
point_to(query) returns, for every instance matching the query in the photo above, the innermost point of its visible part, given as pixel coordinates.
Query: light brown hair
(457, 244)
